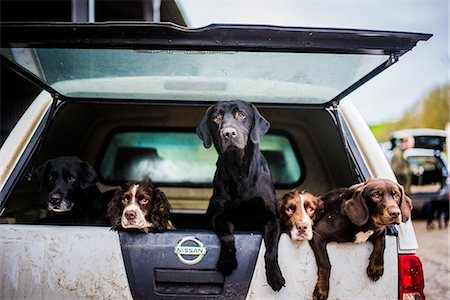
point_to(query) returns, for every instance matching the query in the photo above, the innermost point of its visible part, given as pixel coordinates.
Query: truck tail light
(411, 282)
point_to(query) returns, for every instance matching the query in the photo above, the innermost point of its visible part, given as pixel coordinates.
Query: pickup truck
(121, 95)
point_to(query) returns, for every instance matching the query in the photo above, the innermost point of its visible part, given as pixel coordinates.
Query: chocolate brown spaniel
(140, 206)
(299, 210)
(358, 214)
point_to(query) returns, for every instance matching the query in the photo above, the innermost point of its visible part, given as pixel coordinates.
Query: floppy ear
(114, 210)
(280, 208)
(356, 207)
(203, 131)
(319, 209)
(405, 205)
(260, 127)
(40, 174)
(160, 215)
(89, 176)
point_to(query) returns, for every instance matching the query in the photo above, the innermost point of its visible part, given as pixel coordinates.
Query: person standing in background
(399, 163)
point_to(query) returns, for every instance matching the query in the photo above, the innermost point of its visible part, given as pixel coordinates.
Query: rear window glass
(179, 158)
(420, 164)
(198, 75)
(425, 142)
(427, 172)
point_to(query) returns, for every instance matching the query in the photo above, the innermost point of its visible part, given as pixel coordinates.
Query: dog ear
(260, 127)
(283, 218)
(203, 131)
(280, 207)
(356, 208)
(89, 176)
(114, 209)
(319, 209)
(405, 205)
(40, 175)
(160, 215)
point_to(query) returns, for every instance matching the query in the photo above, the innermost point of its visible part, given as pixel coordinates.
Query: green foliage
(431, 112)
(381, 131)
(435, 111)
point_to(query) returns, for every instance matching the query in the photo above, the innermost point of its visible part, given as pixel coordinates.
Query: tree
(433, 111)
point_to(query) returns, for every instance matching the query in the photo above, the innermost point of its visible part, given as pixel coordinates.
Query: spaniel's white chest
(362, 236)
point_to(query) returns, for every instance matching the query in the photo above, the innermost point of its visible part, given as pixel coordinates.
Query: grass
(381, 131)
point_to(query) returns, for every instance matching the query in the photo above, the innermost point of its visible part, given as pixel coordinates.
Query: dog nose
(302, 226)
(394, 214)
(229, 133)
(55, 198)
(130, 215)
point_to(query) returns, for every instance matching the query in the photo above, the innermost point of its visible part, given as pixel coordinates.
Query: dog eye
(71, 179)
(240, 115)
(142, 200)
(396, 196)
(376, 196)
(310, 211)
(125, 199)
(50, 178)
(290, 211)
(217, 118)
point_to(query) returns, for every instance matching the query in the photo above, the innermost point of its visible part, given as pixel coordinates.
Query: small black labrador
(72, 192)
(243, 193)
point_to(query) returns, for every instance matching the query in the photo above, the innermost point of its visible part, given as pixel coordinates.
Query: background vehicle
(424, 138)
(429, 168)
(123, 96)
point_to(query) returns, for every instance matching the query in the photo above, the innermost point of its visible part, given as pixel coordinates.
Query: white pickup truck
(120, 95)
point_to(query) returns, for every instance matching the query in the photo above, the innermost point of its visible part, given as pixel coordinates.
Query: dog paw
(227, 263)
(275, 280)
(320, 293)
(375, 271)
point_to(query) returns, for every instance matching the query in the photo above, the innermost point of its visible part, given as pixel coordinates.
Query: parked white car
(119, 95)
(428, 166)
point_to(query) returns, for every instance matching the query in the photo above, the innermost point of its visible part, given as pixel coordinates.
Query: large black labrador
(243, 193)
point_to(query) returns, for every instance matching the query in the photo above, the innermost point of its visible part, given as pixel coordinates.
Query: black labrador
(73, 196)
(243, 193)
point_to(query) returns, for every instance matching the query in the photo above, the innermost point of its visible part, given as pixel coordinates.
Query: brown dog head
(299, 210)
(381, 200)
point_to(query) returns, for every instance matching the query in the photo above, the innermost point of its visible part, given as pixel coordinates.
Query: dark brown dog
(243, 192)
(299, 210)
(356, 214)
(141, 206)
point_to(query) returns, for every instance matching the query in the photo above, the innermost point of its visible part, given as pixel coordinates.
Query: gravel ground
(434, 252)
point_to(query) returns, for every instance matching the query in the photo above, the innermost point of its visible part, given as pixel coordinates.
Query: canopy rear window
(179, 158)
(196, 75)
(220, 62)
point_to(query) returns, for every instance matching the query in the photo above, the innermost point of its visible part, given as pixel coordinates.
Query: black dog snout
(55, 198)
(229, 133)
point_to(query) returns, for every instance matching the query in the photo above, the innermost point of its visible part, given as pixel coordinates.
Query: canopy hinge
(393, 58)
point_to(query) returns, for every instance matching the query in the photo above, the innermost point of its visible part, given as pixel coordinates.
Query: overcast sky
(385, 97)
